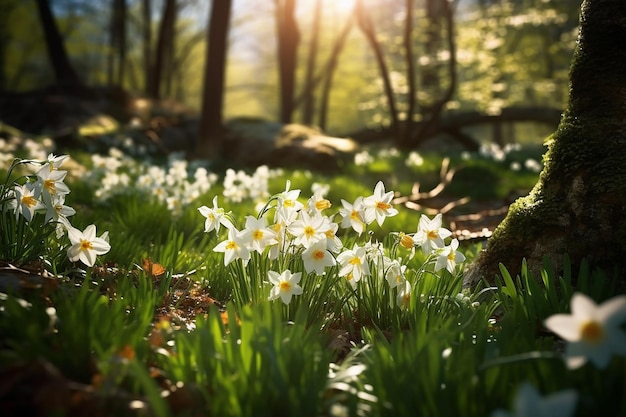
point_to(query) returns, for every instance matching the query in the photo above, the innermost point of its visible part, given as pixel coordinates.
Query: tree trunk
(211, 119)
(65, 75)
(167, 19)
(288, 39)
(146, 35)
(309, 101)
(169, 55)
(409, 59)
(367, 27)
(117, 43)
(6, 10)
(577, 206)
(435, 110)
(329, 71)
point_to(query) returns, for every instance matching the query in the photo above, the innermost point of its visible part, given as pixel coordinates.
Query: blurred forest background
(403, 69)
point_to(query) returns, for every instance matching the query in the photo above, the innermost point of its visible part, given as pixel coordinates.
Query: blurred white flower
(529, 403)
(593, 332)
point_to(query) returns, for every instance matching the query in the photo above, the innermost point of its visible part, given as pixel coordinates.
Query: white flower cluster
(44, 194)
(34, 150)
(176, 185)
(239, 186)
(495, 152)
(303, 230)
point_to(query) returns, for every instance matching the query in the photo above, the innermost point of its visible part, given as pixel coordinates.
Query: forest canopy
(507, 53)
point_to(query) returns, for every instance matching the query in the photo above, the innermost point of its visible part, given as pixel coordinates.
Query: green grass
(201, 338)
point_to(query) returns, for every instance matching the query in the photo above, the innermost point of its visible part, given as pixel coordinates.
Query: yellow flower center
(288, 203)
(257, 235)
(383, 206)
(432, 234)
(322, 204)
(354, 215)
(406, 241)
(592, 332)
(319, 255)
(50, 186)
(85, 245)
(349, 277)
(29, 200)
(451, 256)
(231, 245)
(355, 261)
(330, 234)
(284, 286)
(212, 217)
(309, 231)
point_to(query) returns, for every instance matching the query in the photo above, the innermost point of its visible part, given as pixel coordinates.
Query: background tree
(577, 206)
(65, 75)
(146, 39)
(367, 27)
(288, 37)
(117, 43)
(309, 100)
(329, 70)
(164, 46)
(405, 132)
(211, 116)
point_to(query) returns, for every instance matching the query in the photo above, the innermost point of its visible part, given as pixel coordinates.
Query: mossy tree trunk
(578, 206)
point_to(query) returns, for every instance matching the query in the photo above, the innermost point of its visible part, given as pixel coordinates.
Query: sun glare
(341, 6)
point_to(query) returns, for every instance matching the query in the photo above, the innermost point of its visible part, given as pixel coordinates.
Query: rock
(256, 142)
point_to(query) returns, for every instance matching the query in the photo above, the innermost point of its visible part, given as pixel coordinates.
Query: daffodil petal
(582, 305)
(613, 311)
(564, 325)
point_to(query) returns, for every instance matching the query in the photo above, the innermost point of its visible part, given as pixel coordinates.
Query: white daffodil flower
(235, 247)
(27, 200)
(430, 234)
(258, 234)
(287, 201)
(51, 182)
(86, 246)
(449, 257)
(529, 403)
(316, 257)
(215, 217)
(354, 262)
(592, 331)
(352, 215)
(378, 206)
(285, 285)
(308, 230)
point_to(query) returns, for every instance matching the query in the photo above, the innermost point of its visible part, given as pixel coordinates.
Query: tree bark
(410, 75)
(65, 75)
(434, 113)
(309, 101)
(211, 118)
(167, 19)
(146, 38)
(329, 71)
(288, 39)
(577, 206)
(117, 43)
(367, 27)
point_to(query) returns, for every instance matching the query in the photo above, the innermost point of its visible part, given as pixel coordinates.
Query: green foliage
(371, 349)
(258, 365)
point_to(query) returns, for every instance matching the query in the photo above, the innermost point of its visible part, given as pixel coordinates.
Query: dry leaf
(153, 268)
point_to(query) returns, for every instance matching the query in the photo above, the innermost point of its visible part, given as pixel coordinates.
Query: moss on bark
(578, 205)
